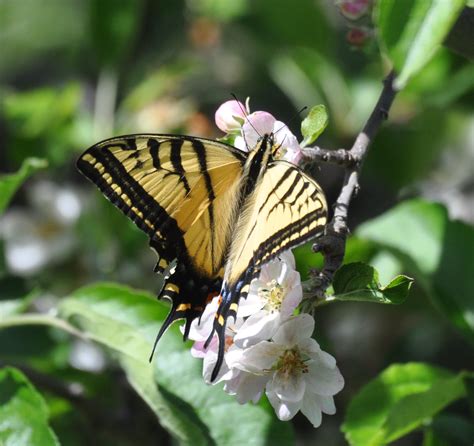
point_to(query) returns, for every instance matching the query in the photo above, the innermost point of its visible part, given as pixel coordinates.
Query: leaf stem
(41, 319)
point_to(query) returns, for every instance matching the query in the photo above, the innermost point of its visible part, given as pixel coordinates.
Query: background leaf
(437, 250)
(399, 400)
(11, 182)
(23, 412)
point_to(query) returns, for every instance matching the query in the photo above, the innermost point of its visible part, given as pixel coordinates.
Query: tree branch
(332, 244)
(341, 157)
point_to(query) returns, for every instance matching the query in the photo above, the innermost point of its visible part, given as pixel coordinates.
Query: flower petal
(294, 330)
(292, 299)
(256, 359)
(288, 387)
(258, 327)
(327, 404)
(311, 409)
(323, 380)
(246, 387)
(284, 136)
(256, 125)
(284, 410)
(239, 143)
(311, 348)
(327, 359)
(288, 258)
(252, 303)
(226, 114)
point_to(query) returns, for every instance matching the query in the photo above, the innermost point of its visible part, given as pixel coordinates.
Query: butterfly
(221, 213)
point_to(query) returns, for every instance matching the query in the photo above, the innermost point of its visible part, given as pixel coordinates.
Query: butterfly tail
(228, 307)
(189, 297)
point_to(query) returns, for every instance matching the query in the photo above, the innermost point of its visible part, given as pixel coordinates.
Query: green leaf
(398, 401)
(23, 412)
(11, 182)
(437, 250)
(314, 124)
(359, 281)
(11, 307)
(411, 32)
(127, 321)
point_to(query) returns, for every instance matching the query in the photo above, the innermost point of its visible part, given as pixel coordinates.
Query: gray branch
(333, 243)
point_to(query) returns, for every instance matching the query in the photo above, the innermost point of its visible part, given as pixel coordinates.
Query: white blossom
(299, 375)
(272, 299)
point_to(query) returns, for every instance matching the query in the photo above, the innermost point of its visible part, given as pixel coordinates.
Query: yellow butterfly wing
(177, 189)
(183, 192)
(286, 209)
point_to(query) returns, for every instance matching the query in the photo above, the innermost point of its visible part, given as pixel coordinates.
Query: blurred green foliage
(72, 73)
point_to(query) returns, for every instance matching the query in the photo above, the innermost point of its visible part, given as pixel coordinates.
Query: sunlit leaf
(359, 281)
(11, 182)
(410, 33)
(23, 412)
(314, 124)
(127, 321)
(398, 401)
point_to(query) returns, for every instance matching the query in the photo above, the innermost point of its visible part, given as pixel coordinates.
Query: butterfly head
(267, 143)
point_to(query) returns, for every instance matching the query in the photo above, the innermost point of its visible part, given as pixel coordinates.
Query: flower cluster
(269, 347)
(235, 119)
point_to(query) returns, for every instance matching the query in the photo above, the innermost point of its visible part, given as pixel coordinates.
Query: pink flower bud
(357, 36)
(354, 9)
(230, 116)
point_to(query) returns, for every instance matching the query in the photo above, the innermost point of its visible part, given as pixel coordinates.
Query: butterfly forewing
(179, 190)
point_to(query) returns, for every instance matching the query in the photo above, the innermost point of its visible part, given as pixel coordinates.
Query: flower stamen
(272, 295)
(291, 363)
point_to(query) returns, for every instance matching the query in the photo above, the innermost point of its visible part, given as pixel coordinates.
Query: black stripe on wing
(123, 191)
(200, 151)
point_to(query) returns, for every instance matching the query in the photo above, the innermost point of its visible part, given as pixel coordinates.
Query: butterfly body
(220, 212)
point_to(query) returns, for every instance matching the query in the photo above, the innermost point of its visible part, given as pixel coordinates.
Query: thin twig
(332, 244)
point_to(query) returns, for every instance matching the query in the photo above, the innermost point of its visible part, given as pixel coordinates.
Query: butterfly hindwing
(286, 208)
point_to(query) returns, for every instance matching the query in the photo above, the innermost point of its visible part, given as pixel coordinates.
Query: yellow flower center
(291, 363)
(272, 295)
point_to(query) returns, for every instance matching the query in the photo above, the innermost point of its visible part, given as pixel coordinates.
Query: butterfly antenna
(291, 119)
(246, 118)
